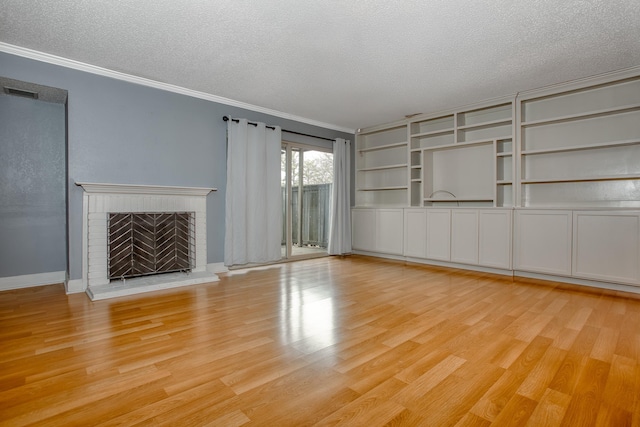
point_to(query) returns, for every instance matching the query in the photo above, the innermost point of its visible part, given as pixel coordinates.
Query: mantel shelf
(92, 187)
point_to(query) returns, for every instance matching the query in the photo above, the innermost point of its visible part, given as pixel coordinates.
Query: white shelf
(379, 168)
(504, 182)
(582, 147)
(383, 147)
(398, 187)
(416, 180)
(459, 145)
(416, 167)
(581, 179)
(486, 124)
(583, 116)
(460, 199)
(505, 154)
(432, 133)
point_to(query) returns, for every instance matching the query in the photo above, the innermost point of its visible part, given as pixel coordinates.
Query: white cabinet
(464, 236)
(377, 230)
(363, 226)
(389, 231)
(495, 238)
(543, 241)
(606, 245)
(415, 233)
(439, 234)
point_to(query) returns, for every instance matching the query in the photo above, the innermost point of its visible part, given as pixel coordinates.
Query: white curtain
(253, 218)
(340, 219)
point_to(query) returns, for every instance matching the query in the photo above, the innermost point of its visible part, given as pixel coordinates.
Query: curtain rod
(227, 118)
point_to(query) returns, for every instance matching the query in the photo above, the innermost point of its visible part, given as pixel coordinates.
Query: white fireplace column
(101, 199)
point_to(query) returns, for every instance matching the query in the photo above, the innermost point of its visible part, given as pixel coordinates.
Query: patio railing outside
(316, 200)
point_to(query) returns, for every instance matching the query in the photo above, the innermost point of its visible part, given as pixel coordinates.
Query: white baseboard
(75, 286)
(30, 280)
(576, 281)
(217, 267)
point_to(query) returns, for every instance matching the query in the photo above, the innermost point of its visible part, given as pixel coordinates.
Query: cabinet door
(606, 246)
(464, 236)
(543, 241)
(439, 234)
(389, 231)
(495, 238)
(415, 233)
(363, 229)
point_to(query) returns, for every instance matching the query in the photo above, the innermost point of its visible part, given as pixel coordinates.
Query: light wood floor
(352, 341)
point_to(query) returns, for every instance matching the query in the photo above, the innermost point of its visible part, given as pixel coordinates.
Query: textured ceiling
(349, 64)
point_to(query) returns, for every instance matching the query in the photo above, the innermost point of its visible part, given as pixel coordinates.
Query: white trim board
(217, 268)
(105, 72)
(31, 280)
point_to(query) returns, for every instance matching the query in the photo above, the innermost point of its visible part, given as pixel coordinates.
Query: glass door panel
(307, 179)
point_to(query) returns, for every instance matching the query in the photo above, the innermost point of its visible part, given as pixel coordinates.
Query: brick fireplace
(101, 200)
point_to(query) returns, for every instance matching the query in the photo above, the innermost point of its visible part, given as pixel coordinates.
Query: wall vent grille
(20, 92)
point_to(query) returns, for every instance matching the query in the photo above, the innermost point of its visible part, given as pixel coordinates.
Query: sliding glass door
(307, 176)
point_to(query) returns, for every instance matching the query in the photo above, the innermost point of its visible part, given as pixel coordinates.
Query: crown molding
(581, 83)
(105, 72)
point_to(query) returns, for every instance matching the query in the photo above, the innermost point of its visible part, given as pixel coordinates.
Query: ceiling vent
(20, 92)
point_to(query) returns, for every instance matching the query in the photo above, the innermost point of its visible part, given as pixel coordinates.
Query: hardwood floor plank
(516, 412)
(372, 408)
(620, 390)
(584, 404)
(352, 341)
(536, 383)
(550, 410)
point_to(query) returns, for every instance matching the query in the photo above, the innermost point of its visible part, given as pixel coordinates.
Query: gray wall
(32, 187)
(124, 133)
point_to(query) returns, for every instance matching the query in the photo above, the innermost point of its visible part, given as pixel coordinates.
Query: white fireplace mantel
(100, 199)
(93, 187)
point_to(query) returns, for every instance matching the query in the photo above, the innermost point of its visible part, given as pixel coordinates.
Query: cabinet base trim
(435, 263)
(379, 255)
(514, 273)
(478, 268)
(575, 281)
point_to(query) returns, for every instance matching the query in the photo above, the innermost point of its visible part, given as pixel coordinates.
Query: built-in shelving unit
(580, 146)
(381, 166)
(459, 157)
(464, 156)
(544, 184)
